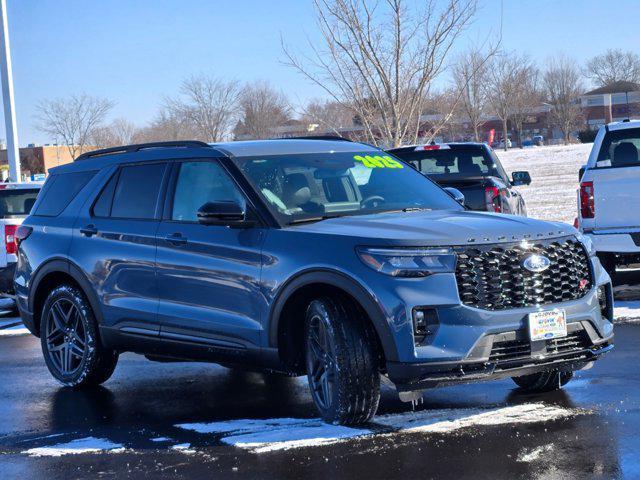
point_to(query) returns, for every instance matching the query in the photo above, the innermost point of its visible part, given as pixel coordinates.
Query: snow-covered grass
(554, 175)
(260, 436)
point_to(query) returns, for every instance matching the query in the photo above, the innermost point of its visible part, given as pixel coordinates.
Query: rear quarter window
(18, 202)
(59, 191)
(620, 148)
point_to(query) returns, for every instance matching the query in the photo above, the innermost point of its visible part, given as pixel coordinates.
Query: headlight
(409, 262)
(588, 244)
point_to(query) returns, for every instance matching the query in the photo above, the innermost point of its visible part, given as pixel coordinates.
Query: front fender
(342, 281)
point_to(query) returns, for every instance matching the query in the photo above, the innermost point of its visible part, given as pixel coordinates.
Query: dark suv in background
(326, 258)
(473, 169)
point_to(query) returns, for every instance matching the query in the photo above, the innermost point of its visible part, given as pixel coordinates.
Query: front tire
(342, 362)
(543, 381)
(69, 339)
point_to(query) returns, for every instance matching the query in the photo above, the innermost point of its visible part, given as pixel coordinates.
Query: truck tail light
(14, 235)
(492, 199)
(587, 203)
(10, 238)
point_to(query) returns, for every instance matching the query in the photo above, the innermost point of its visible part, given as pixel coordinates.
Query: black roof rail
(142, 146)
(317, 137)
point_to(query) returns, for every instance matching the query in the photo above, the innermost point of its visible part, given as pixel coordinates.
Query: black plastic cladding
(492, 277)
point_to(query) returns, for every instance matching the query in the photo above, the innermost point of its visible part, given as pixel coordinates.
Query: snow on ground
(260, 436)
(11, 327)
(75, 447)
(554, 174)
(627, 311)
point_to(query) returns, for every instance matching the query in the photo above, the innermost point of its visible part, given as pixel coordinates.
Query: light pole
(6, 74)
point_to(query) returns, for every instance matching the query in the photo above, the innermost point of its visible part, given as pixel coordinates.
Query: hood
(438, 228)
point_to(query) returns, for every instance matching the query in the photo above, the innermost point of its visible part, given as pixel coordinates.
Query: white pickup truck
(609, 196)
(16, 200)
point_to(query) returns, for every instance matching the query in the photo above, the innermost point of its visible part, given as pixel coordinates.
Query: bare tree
(119, 132)
(563, 87)
(470, 75)
(381, 59)
(328, 115)
(208, 104)
(263, 109)
(512, 90)
(164, 127)
(72, 120)
(612, 66)
(527, 97)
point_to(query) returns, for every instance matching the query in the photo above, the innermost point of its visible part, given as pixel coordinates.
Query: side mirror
(456, 194)
(221, 213)
(521, 178)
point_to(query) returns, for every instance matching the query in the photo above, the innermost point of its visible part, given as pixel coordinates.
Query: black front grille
(509, 350)
(492, 277)
(506, 351)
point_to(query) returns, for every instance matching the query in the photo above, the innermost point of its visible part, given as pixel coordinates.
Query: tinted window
(17, 202)
(102, 207)
(454, 162)
(620, 149)
(137, 191)
(307, 186)
(59, 191)
(199, 183)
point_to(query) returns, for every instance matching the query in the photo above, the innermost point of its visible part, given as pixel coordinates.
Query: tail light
(587, 204)
(10, 238)
(14, 235)
(492, 199)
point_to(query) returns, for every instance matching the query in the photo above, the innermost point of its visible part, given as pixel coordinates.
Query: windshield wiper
(415, 209)
(298, 221)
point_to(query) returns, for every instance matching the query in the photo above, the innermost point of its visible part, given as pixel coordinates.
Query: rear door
(616, 180)
(114, 242)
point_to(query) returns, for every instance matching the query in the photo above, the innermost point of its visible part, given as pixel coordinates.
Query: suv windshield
(311, 186)
(17, 202)
(456, 161)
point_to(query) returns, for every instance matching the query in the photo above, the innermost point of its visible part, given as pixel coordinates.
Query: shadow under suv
(320, 257)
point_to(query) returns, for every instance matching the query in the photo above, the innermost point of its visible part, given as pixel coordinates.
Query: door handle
(176, 239)
(89, 230)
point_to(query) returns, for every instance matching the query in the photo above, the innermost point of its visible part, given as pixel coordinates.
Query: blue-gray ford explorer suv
(320, 257)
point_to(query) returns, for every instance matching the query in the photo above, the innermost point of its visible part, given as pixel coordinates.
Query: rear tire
(543, 381)
(69, 338)
(342, 362)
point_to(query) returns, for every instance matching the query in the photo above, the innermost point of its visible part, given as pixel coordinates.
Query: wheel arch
(313, 283)
(55, 272)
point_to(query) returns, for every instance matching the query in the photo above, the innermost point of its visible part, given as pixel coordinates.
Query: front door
(208, 275)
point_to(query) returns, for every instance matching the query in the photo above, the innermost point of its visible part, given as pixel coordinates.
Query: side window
(102, 207)
(59, 191)
(199, 183)
(136, 193)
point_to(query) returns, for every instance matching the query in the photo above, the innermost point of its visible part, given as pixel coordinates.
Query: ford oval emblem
(536, 263)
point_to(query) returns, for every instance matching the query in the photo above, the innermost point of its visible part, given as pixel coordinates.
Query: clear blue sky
(136, 51)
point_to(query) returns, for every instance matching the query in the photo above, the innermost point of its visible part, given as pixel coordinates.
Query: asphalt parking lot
(196, 421)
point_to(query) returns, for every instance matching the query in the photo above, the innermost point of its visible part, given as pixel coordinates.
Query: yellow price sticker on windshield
(377, 161)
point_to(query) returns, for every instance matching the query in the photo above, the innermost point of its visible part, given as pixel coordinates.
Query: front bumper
(507, 354)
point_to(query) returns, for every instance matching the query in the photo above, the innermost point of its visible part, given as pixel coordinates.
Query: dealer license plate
(547, 324)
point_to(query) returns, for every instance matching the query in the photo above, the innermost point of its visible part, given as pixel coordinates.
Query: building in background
(40, 159)
(612, 103)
